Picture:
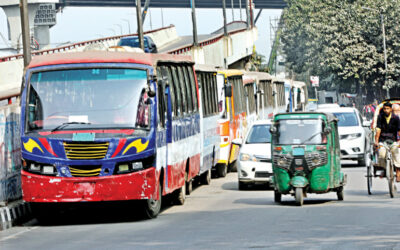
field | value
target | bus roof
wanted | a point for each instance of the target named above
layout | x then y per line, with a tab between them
230	72
106	57
205	68
259	76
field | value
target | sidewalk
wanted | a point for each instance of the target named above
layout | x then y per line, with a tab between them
15	212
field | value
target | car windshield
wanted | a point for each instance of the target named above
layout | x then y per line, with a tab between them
259	134
291	132
132	42
87	99
346	119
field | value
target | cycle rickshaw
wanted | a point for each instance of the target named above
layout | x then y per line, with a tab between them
373	168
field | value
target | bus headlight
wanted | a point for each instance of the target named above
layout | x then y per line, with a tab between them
34	167
127	167
49	170
137	165
124	167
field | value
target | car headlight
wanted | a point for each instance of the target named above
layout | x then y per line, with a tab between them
354	136
247	157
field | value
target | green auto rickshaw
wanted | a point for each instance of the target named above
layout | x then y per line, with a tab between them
306	155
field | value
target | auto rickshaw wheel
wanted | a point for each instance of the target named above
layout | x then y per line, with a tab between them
299	196
277	196
339	193
222	170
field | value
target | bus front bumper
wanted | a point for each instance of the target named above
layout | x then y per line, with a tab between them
133	186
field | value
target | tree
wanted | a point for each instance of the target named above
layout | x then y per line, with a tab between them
342	40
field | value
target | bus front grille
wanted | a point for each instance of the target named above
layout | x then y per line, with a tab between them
85	171
85	151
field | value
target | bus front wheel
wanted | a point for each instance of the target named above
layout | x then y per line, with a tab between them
152	207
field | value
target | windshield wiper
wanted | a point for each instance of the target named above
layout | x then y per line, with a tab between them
309	139
66	124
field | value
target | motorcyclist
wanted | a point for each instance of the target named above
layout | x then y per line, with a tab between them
387	128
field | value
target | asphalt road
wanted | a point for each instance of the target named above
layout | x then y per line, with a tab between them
220	216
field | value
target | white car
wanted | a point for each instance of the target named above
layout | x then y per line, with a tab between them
254	163
354	132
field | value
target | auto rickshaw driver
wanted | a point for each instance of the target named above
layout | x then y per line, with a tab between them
387	128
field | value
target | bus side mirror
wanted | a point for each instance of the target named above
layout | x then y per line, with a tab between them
228	90
272	130
151	92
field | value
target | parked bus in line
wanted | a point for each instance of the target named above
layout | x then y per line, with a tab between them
233	124
296	95
250	87
109	126
209	120
280	104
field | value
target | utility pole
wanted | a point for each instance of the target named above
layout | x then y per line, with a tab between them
385	56
129	25
23	6
233	11
240	8
224	13
139	23
248	14
195	38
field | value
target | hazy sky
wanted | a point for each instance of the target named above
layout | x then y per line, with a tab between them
79	24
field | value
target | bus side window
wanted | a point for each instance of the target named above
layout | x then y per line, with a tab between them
188	86
160	99
209	94
194	88
174	106
178	92
215	92
183	90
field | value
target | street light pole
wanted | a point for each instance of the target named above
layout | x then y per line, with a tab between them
384	48
129	25
385	55
120	27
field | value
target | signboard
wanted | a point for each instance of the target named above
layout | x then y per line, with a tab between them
46	15
314	81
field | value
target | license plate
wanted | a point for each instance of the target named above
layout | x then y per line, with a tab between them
298	151
299	161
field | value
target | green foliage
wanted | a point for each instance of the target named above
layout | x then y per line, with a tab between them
341	40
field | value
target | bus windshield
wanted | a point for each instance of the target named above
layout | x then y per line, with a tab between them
88	98
292	132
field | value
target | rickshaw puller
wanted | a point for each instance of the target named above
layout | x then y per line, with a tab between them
387	128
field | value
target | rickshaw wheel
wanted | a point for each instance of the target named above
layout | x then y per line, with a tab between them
339	193
369	179
277	196
392	187
299	195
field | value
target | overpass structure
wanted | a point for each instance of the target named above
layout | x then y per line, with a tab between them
259	4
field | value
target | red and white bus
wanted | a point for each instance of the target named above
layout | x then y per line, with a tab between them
109	126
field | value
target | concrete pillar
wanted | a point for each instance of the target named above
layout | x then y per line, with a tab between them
12	11
42	36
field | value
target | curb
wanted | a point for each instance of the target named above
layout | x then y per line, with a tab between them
14	213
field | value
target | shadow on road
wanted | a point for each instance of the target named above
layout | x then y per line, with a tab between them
233	185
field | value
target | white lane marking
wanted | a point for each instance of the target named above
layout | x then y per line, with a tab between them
16	234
